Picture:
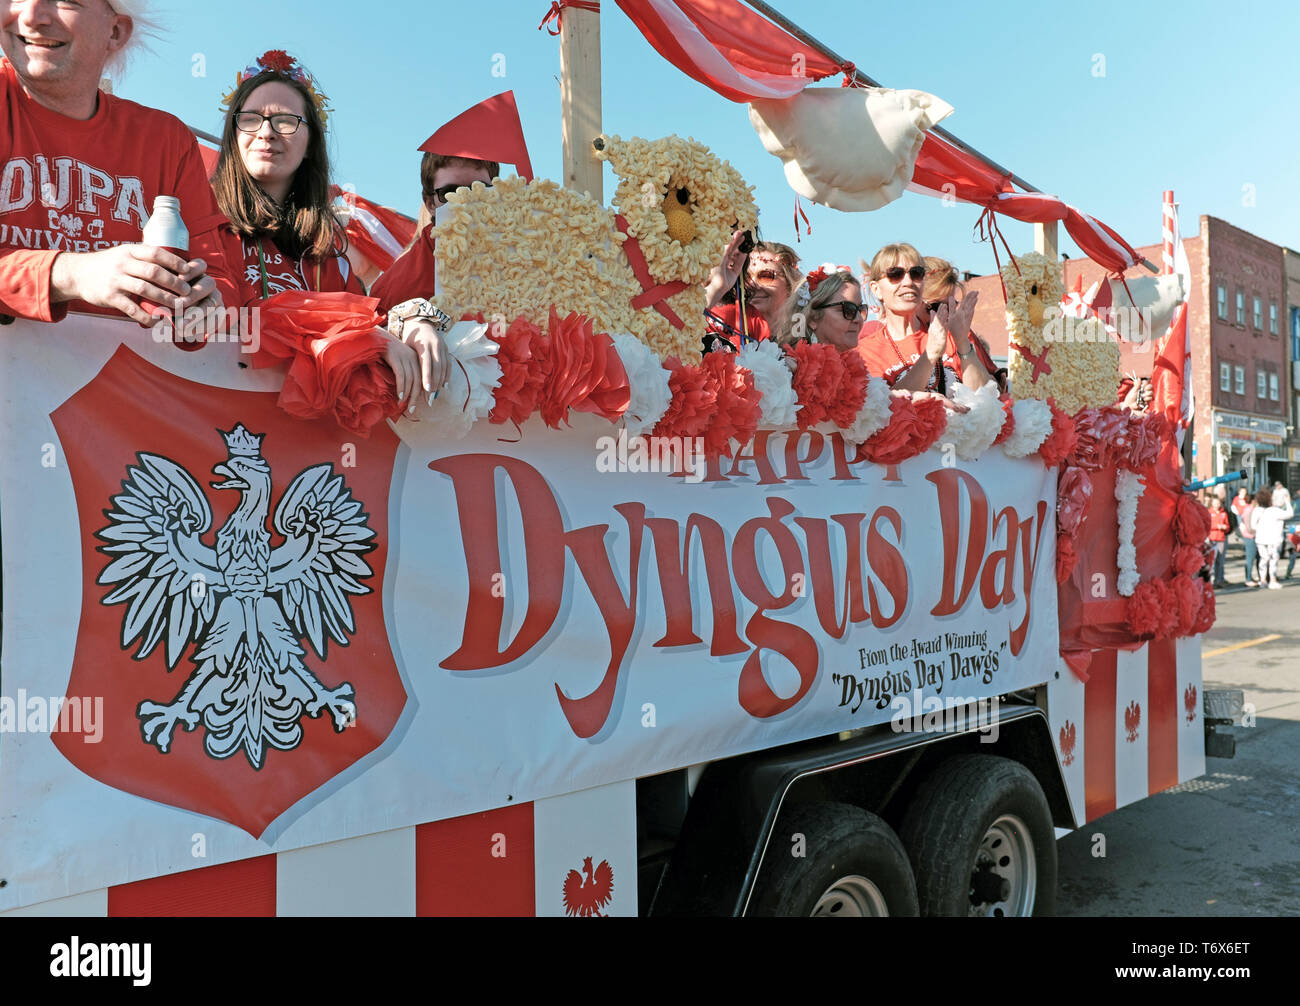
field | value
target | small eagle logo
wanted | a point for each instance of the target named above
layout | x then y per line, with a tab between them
1132	720
1067	736
1189	702
587	897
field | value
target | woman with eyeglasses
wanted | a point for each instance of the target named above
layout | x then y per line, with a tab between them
272	182
900	347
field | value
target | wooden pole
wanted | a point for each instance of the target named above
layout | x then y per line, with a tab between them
1045	241
580	100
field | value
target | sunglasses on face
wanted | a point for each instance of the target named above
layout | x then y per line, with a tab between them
933	306
284	123
767	275
443	191
896	274
850	309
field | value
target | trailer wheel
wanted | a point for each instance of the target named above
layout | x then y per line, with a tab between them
834	860
980	837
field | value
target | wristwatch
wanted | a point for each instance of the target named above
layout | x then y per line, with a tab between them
410	310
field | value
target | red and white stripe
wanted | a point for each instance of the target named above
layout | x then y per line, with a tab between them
1167	234
509	861
1171	374
1133	729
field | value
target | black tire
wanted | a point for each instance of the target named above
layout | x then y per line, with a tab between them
960	860
849	858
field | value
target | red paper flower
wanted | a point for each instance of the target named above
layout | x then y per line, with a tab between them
1102	437
817	377
693	399
1191	520
852	391
525	364
736	410
913	428
584	373
1187	596
1009	420
1073	497
1188	560
1060	443
1146	608
275	59
610	394
1205	616
1145	435
368	398
1066	557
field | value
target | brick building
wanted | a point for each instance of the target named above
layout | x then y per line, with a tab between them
1245	332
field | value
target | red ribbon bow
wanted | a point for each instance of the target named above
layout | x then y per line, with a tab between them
653	294
556	13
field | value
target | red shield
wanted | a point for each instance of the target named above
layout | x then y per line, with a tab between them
132	408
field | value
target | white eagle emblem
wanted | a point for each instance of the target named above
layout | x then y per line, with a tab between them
243	605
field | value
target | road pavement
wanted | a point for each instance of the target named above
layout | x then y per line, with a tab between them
1226	843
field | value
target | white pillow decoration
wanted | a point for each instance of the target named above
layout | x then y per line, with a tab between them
849	148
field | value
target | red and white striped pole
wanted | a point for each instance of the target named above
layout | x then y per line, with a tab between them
1167	234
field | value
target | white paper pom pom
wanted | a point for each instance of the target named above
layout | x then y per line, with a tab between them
874	415
1033	424
972	433
647	382
467	395
779	404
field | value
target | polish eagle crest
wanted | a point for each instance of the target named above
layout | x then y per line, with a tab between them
243	605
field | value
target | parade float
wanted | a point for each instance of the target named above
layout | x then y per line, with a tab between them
606	618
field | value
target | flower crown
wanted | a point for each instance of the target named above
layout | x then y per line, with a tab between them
280	62
809	286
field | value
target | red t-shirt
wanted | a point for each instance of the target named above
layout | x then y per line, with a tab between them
755	327
410	276
891	360
85	185
1219	525
283	272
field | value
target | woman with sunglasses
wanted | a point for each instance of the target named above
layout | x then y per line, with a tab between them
900	347
826	307
272	182
942	286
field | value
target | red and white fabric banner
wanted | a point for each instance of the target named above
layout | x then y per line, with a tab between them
728	47
376	231
1134	728
1171	374
572	855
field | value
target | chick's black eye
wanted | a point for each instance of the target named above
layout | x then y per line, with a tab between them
683	196
1034	289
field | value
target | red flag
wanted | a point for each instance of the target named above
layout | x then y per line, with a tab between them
377	232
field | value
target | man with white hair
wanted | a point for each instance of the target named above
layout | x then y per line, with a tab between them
80	169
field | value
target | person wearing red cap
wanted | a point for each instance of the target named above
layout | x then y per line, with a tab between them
468	149
70	224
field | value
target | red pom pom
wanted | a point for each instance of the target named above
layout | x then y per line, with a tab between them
693	399
1191	520
1066	557
1205	616
852	391
1186	594
1188	560
914	426
1145	435
584	373
1060	443
1102	437
1008	421
736	412
1146	609
816	380
525	364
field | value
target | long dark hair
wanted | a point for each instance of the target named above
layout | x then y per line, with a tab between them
305	225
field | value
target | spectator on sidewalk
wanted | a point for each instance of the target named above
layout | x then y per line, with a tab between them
1243	506
1266	521
1218	538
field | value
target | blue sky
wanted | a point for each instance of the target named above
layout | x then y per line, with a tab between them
1196	97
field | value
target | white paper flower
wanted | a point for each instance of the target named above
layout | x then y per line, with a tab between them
1033	424
772	379
647	382
972	433
1128	493
874	415
467	395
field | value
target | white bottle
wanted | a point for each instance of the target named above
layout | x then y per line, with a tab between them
166	229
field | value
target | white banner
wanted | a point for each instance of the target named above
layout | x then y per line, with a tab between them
364	635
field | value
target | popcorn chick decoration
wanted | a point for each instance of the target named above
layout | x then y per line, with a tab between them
519	248
1075	362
